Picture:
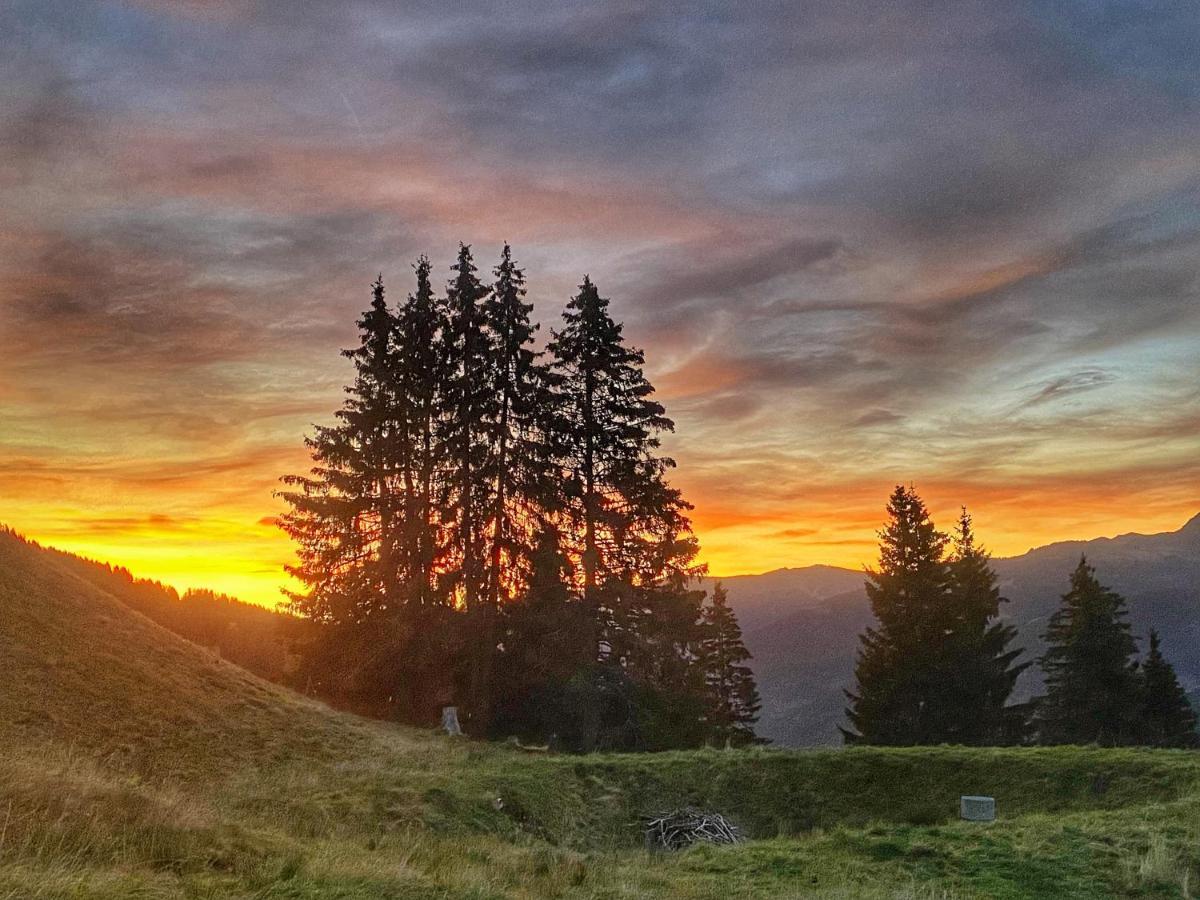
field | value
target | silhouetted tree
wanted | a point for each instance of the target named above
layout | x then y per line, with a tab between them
469	405
979	669
1092	686
630	531
343	515
937	668
523	471
631	526
733	701
349	517
897	699
1167	718
420	367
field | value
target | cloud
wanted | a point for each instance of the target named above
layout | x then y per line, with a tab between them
857	243
878	417
1068	385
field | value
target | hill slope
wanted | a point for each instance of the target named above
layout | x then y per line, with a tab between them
254	637
804	650
83	670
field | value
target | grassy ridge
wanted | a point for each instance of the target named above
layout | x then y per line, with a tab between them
774	793
133	764
423	823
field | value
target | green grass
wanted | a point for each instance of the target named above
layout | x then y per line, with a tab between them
134	765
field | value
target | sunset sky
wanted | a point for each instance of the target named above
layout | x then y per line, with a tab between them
953	244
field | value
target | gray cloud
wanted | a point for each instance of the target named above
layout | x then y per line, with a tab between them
817	218
1068	385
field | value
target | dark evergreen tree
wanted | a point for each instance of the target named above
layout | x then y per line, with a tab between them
1092	685
631	527
468	408
419	363
938	667
631	535
979	667
343	515
348	517
524	486
898	699
1167	718
732	694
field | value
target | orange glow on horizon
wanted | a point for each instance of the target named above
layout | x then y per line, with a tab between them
245	557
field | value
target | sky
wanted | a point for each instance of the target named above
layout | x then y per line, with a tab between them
956	245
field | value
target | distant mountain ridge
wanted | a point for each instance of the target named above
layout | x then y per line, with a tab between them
802	625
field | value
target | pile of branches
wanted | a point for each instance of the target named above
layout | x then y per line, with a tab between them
684	827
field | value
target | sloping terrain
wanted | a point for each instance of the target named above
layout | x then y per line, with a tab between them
254	637
804	652
83	670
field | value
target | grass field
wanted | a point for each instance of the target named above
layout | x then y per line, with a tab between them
134	764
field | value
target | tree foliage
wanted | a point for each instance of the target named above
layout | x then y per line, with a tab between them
492	526
733	694
1092	683
1166	716
936	668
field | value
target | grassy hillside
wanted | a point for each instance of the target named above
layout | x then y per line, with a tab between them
84	671
133	764
254	637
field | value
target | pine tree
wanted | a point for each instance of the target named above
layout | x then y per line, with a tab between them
1092	688
733	700
1167	718
937	668
343	514
348	518
978	665
522	464
632	542
468	407
419	326
632	526
898	697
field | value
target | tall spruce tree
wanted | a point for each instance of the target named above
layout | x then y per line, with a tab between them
1166	717
733	700
522	465
632	527
938	667
348	519
898	698
979	667
344	512
419	364
1092	685
468	407
632	540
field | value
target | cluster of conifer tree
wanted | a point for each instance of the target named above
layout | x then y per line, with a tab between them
490	525
939	668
